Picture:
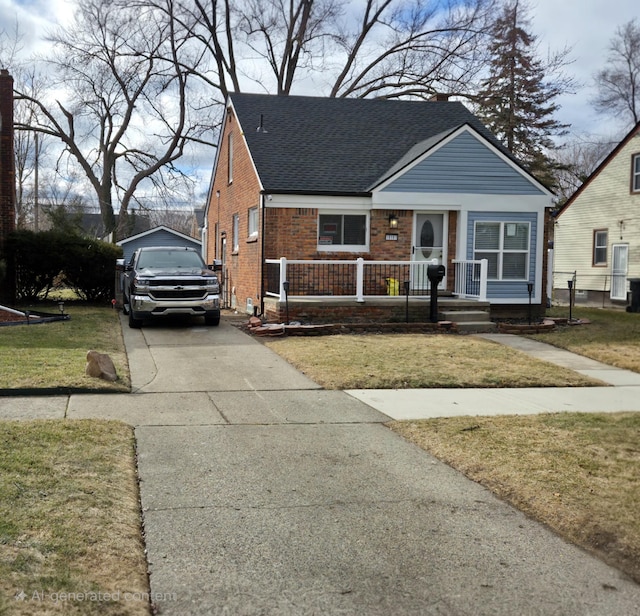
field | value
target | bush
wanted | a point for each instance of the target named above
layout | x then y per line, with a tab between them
87	265
90	268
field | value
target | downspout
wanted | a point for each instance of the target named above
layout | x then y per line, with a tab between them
262	264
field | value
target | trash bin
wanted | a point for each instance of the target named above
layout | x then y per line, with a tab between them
634	284
393	286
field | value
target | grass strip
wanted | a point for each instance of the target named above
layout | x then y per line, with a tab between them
70	530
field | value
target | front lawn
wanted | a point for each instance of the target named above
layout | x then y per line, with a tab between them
612	336
576	472
53	355
405	361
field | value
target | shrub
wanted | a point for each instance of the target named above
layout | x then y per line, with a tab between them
87	265
90	268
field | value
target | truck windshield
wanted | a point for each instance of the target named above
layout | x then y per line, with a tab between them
159	259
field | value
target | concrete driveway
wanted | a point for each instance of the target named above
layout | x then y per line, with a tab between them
263	494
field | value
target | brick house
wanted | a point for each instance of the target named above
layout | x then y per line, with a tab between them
597	231
7	180
336	207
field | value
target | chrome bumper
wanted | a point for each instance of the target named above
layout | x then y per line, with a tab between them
143	304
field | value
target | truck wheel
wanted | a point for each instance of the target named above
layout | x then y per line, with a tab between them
215	321
133	322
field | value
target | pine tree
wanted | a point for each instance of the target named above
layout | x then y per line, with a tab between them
516	100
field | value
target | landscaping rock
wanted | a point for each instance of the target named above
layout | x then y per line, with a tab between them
100	366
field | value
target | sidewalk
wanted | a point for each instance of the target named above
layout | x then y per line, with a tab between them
264	494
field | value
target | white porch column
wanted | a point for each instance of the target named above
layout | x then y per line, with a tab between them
359	279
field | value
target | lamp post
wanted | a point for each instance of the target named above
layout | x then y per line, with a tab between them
570	285
285	286
530	291
406	304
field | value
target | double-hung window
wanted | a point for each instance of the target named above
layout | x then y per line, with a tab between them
600	247
635	173
346	232
252	222
505	245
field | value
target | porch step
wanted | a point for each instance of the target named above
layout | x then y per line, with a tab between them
476	321
465	316
476	327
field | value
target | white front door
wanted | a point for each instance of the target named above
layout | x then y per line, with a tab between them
619	261
429	233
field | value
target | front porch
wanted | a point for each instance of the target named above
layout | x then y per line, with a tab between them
359	291
468	315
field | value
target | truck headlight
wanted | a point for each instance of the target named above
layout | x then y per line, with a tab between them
213	285
140	285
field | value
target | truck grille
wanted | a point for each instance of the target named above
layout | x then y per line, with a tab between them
192	293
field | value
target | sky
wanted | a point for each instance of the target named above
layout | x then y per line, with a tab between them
586	26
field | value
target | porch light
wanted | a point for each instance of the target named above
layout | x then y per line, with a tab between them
393	221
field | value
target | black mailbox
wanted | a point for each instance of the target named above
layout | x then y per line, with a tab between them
435	273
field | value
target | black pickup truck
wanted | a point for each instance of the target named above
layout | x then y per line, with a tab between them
160	281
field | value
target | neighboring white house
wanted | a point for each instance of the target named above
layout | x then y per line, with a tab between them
597	232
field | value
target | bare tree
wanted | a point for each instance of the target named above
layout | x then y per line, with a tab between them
383	48
122	110
619	83
576	160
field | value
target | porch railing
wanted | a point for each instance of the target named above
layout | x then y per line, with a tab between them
358	279
471	279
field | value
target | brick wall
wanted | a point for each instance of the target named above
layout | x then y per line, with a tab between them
7	176
242	266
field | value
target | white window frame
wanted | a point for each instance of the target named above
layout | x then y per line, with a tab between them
235	233
600	246
501	251
344	247
252	222
635	173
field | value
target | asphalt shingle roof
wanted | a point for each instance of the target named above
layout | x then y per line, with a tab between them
312	145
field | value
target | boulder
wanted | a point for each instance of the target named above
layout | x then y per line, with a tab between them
100	366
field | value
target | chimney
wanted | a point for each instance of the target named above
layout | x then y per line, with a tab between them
439	98
7	178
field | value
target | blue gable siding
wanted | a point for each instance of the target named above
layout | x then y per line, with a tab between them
510	289
464	165
161	237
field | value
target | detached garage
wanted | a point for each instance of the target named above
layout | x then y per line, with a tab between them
158	236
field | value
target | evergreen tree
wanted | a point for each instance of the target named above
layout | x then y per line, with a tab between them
516	100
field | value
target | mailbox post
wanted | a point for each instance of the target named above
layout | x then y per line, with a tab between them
435	273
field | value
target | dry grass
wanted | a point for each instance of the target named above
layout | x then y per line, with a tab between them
576	472
612	337
414	361
53	355
70	519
